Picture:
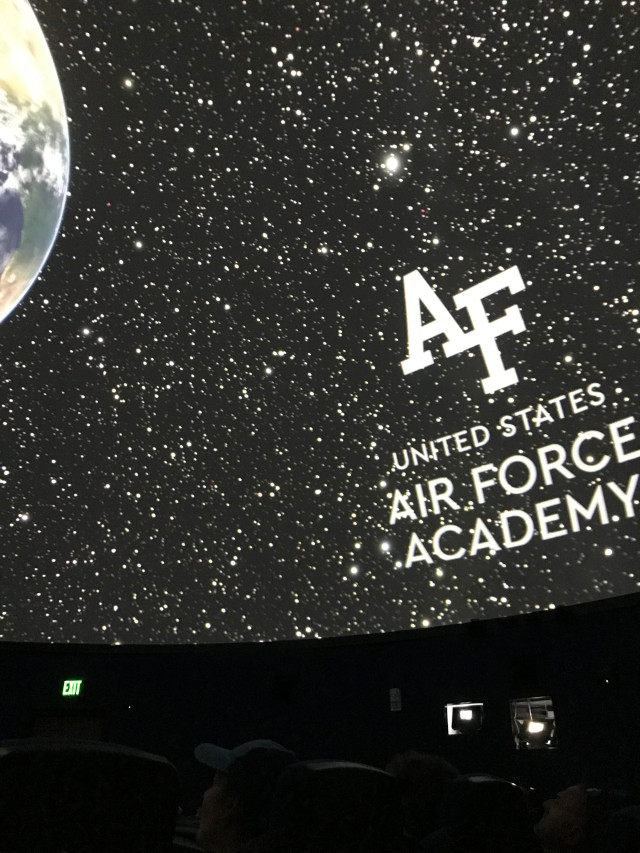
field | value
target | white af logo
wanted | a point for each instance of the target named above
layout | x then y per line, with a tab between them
418	292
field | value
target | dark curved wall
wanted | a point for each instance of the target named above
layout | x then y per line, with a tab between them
331	698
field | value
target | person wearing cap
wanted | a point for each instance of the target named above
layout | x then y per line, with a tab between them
235	807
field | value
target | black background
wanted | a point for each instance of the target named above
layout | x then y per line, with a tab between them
199	404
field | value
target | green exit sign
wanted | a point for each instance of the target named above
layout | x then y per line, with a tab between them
72	688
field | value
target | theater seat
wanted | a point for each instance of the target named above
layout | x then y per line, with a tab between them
335	805
84	797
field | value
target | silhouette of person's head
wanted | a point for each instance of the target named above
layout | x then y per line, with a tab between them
235	806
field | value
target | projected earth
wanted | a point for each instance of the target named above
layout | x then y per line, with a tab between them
34	152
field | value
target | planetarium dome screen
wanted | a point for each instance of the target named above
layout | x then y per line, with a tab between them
339	333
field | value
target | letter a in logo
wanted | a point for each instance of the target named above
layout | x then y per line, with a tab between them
417	292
